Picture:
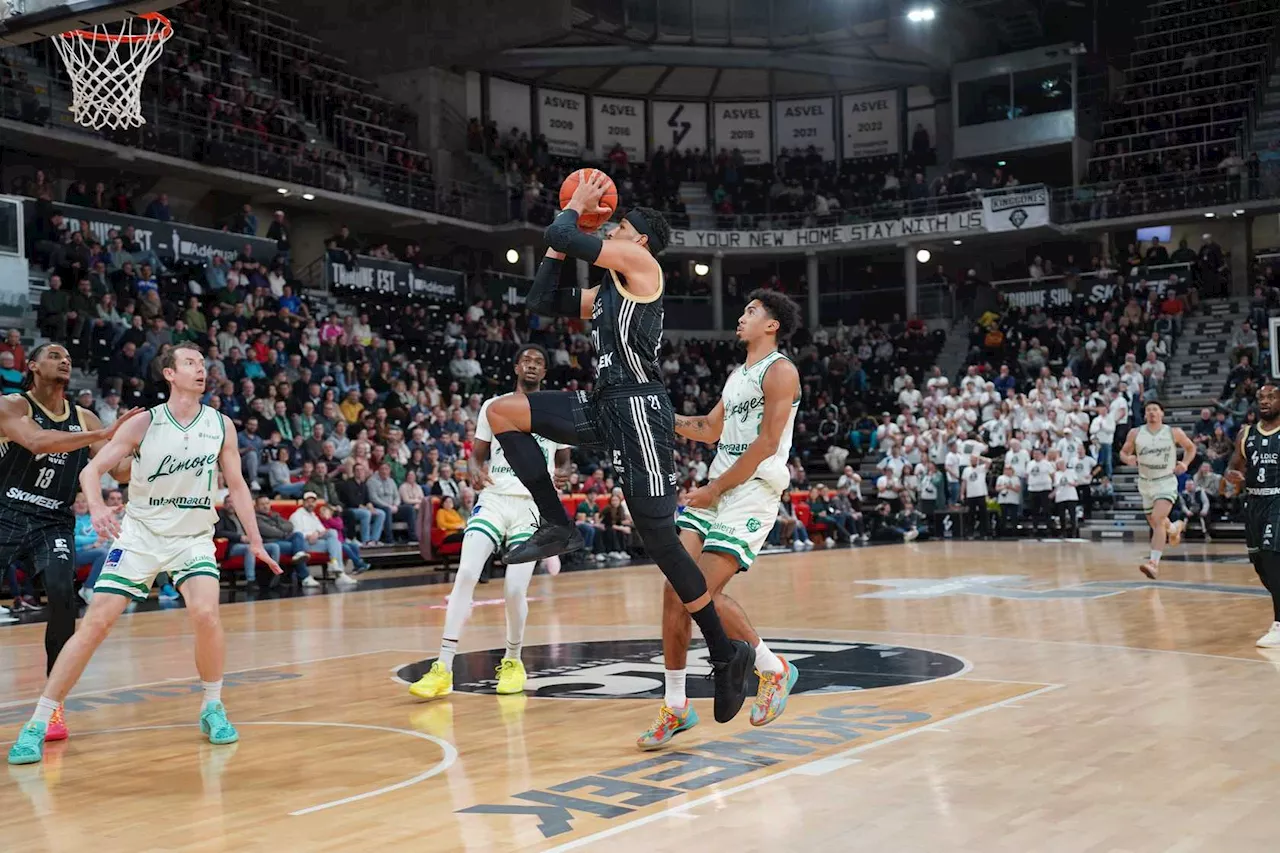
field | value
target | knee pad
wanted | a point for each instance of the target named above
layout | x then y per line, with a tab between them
662	542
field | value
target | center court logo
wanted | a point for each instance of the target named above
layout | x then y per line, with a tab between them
632	669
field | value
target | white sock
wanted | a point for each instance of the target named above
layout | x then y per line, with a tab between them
212	691
44	710
476	548
448	648
1155	555
675	698
516	591
766	660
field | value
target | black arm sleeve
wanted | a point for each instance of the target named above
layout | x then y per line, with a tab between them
545	298
563	235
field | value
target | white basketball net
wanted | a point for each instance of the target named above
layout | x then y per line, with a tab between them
106	65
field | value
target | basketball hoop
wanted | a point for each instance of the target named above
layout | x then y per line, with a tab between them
106	65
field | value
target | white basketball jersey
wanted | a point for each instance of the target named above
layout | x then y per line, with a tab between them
1157	452
175	474
743	412
505	481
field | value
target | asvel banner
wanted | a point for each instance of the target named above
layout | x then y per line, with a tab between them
837	235
562	119
1013	211
169	240
870	124
801	123
399	278
744	126
618	121
679	125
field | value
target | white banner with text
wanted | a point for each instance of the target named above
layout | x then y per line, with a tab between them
618	121
870	124
801	123
744	126
836	235
1016	210
562	119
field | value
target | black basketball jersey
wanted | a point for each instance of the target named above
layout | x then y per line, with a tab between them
41	486
1262	488
627	335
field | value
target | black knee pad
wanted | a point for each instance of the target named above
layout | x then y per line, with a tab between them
662	543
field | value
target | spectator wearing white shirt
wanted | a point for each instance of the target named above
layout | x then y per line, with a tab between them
936	381
973	490
1009	499
1065	498
1039	488
1102	430
1153	369
952	466
306	522
888	489
851	480
1083	465
909	397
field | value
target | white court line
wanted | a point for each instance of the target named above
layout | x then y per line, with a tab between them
447	761
799	770
11	703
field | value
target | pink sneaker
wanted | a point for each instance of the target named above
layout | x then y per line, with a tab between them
57	729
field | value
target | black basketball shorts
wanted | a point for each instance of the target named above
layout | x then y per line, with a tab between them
1261	524
44	547
635	426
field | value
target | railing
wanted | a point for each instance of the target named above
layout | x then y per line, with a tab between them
1155	71
1227	37
1270	12
1179	111
1164	193
1205	138
1172	15
1165	79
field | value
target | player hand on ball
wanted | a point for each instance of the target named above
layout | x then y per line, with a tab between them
703	497
260	554
586	197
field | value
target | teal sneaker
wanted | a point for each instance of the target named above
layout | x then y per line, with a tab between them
772	695
29	747
215	725
669	724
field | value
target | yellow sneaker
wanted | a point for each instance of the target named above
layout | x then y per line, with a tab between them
510	677
438	682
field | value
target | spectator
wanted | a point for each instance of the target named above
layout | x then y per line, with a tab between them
159	208
450	521
315	534
350	549
354	493
1195	506
90	547
228	527
10	377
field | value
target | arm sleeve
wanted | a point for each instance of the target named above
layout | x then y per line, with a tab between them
563	235
545	298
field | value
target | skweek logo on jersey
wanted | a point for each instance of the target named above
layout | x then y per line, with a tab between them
1018	587
633	669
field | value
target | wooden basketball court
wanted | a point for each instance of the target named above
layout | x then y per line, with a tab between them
958	696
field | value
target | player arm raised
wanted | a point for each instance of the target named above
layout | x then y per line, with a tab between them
238	494
18	426
781	389
1127	456
122	445
121	472
705	428
1188	451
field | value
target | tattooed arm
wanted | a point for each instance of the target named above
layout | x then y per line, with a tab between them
705	428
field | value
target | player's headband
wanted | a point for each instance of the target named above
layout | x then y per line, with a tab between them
641	223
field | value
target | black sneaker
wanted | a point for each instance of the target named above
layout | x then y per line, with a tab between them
731	680
551	539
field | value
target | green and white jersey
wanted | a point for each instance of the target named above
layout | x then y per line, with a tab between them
175	473
505	481
743	412
1157	452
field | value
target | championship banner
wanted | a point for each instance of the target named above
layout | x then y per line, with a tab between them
838	235
509	106
870	124
1013	211
744	126
618	121
679	125
402	279
801	123
169	240
562	119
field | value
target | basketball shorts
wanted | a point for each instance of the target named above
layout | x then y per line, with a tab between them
1161	489
634	425
1261	524
138	555
738	525
503	518
44	547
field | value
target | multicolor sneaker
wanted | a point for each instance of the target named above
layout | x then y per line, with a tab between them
669	724
510	677
29	747
215	725
772	694
57	726
436	683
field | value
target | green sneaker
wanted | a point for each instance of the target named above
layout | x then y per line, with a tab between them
215	725
29	747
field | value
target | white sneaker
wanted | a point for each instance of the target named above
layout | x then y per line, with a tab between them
344	579
797	545
808	545
828	542
310	583
600	558
911	535
86	595
1271	639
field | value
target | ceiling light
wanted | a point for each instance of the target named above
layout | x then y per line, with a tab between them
1001	162
282	191
309	196
1238	212
923	256
512	256
1210	215
921	15
956	242
701	269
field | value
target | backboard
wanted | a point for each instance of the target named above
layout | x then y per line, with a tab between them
23	21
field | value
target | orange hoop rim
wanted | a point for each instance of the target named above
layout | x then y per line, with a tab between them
165	31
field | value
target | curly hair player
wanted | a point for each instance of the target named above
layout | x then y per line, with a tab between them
628	413
727	521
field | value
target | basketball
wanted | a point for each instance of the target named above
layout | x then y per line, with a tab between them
589	221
